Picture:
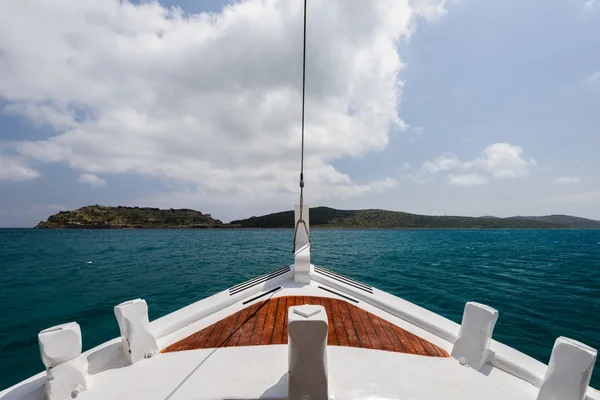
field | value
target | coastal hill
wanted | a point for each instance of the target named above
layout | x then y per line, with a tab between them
326	217
103	217
567	220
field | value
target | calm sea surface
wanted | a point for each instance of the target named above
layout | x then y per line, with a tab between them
544	283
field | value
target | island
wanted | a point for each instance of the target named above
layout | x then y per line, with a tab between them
105	217
325	217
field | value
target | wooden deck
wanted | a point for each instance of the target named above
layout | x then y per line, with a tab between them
265	323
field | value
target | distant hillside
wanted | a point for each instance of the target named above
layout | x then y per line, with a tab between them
102	217
331	218
568	220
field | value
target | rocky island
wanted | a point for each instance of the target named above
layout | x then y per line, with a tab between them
103	217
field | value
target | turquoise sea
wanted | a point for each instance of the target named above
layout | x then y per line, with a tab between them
545	283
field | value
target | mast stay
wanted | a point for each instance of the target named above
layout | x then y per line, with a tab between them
301	219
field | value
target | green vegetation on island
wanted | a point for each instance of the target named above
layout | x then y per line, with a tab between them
103	217
326	217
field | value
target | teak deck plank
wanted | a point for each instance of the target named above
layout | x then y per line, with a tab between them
361	332
267	336
401	335
214	336
261	316
237	330
228	330
370	331
279	321
389	330
265	323
348	325
331	334
289	303
337	324
248	327
378	325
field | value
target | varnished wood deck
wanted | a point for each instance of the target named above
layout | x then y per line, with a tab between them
265	323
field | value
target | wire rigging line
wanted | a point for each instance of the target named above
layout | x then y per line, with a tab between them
301	219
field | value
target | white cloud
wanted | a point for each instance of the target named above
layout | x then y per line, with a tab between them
567	179
210	100
467	180
504	160
500	160
445	162
595	77
430	9
16	169
92	180
343	191
590	4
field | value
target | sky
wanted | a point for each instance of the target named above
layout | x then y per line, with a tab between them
446	107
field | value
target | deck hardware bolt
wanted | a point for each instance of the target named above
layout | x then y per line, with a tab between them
76	392
150	353
463	361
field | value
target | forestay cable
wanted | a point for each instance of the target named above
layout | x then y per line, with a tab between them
301	219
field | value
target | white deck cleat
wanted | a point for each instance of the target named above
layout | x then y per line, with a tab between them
472	347
136	339
307	354
60	349
60	343
569	371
